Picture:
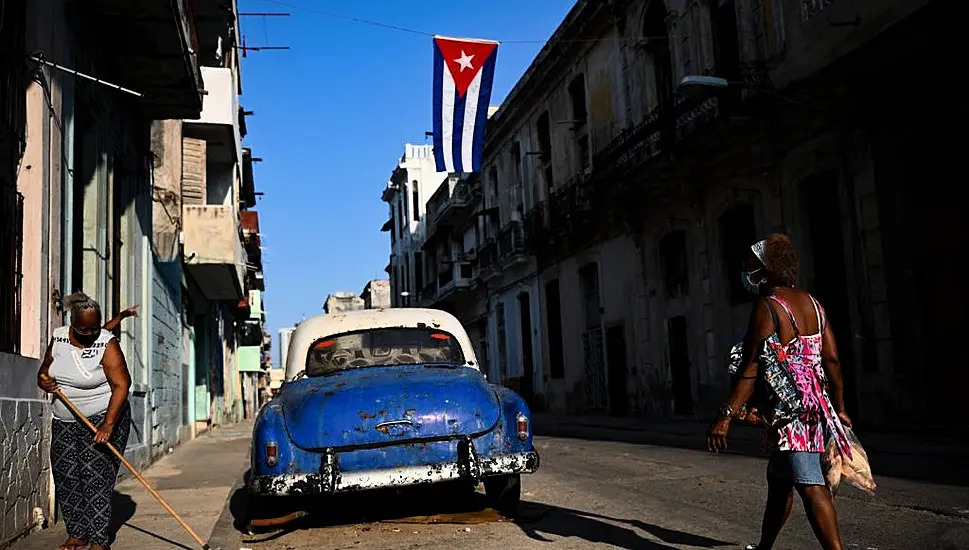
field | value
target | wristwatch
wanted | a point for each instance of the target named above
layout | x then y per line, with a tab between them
726	411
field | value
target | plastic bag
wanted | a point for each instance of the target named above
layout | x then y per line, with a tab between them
855	470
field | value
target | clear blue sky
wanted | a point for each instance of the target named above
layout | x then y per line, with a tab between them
332	115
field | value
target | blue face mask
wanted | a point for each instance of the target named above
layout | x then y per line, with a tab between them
749	283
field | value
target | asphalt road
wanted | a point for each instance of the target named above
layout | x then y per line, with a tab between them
596	494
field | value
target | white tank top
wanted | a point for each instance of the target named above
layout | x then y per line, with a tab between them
79	375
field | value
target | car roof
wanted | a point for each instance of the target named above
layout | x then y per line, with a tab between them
322	326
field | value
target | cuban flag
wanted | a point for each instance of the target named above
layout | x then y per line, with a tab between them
464	70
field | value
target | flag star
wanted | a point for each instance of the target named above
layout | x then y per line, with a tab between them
465	61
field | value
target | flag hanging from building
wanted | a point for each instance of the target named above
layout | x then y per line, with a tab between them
464	70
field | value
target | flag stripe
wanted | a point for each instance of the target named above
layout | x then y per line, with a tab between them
470	118
447	127
458	133
487	77
438	108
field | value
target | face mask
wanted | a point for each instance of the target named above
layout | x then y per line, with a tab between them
749	283
85	339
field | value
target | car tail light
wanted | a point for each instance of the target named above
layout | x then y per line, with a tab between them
272	454
521	422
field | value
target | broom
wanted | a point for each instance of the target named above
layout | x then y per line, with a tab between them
161	500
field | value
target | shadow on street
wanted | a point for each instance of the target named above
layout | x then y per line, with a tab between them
437	505
943	469
123	510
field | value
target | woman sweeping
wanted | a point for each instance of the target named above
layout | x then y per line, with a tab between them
801	342
85	362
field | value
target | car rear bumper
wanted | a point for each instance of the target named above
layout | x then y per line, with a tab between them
331	480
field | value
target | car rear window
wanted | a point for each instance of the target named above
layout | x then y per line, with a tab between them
382	347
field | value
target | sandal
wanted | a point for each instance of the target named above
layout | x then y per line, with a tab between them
72	543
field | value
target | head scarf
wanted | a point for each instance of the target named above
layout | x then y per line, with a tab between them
758	249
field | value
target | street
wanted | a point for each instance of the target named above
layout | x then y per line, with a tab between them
594	494
587	494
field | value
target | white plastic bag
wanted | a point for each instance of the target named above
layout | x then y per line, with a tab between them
855	470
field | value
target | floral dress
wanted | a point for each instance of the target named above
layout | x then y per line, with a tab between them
810	430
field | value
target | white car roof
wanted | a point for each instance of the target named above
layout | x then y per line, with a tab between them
322	326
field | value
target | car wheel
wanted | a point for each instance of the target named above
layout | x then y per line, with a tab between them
504	493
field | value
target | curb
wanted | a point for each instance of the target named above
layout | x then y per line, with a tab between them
224	535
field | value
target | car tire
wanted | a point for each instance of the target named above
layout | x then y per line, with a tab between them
504	493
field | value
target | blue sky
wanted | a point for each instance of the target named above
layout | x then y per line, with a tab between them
332	115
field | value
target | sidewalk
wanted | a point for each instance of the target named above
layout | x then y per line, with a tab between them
924	457
195	479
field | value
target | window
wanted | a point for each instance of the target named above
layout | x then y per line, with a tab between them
577	96
545	148
250	334
553	318
493	186
401	220
589	277
738	232
502	341
11	237
383	347
583	149
675	272
415	200
418	271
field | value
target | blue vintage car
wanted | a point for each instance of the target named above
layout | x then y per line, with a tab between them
389	398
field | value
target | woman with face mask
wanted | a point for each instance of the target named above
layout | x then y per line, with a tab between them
85	362
805	341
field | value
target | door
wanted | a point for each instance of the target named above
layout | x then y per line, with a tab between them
618	369
830	285
528	357
679	351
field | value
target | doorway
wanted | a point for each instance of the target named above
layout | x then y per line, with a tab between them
679	350
830	283
528	356
616	355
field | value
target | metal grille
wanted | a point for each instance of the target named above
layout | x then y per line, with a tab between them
11	240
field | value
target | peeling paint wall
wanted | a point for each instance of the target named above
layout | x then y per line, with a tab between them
25	481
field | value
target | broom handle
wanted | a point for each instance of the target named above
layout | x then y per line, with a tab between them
161	500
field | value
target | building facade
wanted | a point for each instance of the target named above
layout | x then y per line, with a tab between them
640	193
91	199
376	294
412	183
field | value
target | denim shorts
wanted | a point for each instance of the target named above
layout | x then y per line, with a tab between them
799	467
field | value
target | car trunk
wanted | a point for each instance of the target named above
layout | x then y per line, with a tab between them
380	405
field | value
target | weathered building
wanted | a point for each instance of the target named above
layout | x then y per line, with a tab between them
338	302
640	191
91	199
412	183
376	294
76	205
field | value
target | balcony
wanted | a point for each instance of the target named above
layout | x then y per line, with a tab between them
455	276
488	265
511	245
456	208
214	255
249	221
218	123
154	51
